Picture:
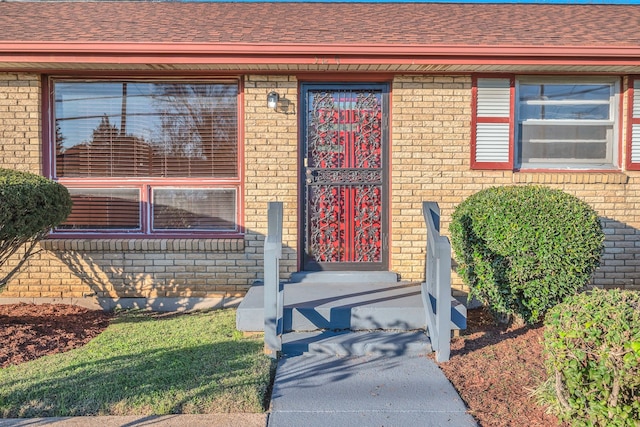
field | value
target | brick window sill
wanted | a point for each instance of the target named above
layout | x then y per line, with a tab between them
570	178
144	245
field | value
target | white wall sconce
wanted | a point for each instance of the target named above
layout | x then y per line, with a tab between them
272	100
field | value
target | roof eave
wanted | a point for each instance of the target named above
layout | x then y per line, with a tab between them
239	53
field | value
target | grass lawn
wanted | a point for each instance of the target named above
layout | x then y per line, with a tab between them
145	364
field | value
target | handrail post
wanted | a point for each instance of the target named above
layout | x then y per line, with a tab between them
436	291
273	309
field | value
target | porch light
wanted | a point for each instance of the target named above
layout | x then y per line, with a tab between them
272	100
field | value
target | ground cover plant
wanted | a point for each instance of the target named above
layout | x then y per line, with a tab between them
141	364
592	347
523	249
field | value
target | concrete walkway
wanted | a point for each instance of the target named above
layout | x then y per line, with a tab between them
325	390
322	390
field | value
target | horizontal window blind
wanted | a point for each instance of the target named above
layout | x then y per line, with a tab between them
142	156
100	208
145	129
194	209
566	122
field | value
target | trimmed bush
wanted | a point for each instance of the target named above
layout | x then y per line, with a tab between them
523	249
30	206
592	348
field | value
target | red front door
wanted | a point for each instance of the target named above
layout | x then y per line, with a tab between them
345	163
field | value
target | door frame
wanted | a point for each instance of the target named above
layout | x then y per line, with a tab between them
385	88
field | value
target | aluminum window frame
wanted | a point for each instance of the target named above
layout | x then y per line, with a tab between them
610	162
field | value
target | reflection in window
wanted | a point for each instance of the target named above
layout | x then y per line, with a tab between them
119	145
104	208
562	123
146	129
199	209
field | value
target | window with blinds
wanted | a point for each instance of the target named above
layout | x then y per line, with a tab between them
566	123
200	209
534	122
147	156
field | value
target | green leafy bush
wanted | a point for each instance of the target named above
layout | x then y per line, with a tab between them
30	206
592	348
523	249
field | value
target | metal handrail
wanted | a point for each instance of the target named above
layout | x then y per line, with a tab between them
273	299
436	290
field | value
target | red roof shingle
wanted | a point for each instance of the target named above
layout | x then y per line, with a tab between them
323	23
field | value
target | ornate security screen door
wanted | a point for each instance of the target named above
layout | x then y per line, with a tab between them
345	189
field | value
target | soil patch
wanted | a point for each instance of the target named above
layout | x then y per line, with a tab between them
29	331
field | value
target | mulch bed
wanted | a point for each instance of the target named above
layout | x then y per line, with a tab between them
495	368
29	331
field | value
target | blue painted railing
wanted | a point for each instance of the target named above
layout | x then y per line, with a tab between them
436	290
273	299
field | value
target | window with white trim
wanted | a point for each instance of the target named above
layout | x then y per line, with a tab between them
546	123
147	157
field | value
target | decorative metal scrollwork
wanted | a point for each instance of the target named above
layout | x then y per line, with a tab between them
368	144
344	177
324	146
326	228
367	219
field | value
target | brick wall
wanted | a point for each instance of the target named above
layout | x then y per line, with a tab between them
20	127
271	162
430	134
133	269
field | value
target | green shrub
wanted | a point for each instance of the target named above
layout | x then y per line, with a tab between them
30	206
523	249
592	348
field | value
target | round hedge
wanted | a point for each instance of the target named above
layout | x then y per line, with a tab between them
30	205
523	249
592	350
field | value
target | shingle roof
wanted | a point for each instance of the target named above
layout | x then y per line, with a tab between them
151	36
323	23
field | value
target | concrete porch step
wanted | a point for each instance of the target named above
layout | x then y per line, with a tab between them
364	343
310	306
344	277
305	318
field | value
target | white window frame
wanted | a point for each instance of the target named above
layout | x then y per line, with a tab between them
611	160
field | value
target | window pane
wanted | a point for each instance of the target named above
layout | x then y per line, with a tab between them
575	143
146	129
194	209
98	208
564	112
566	124
565	92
